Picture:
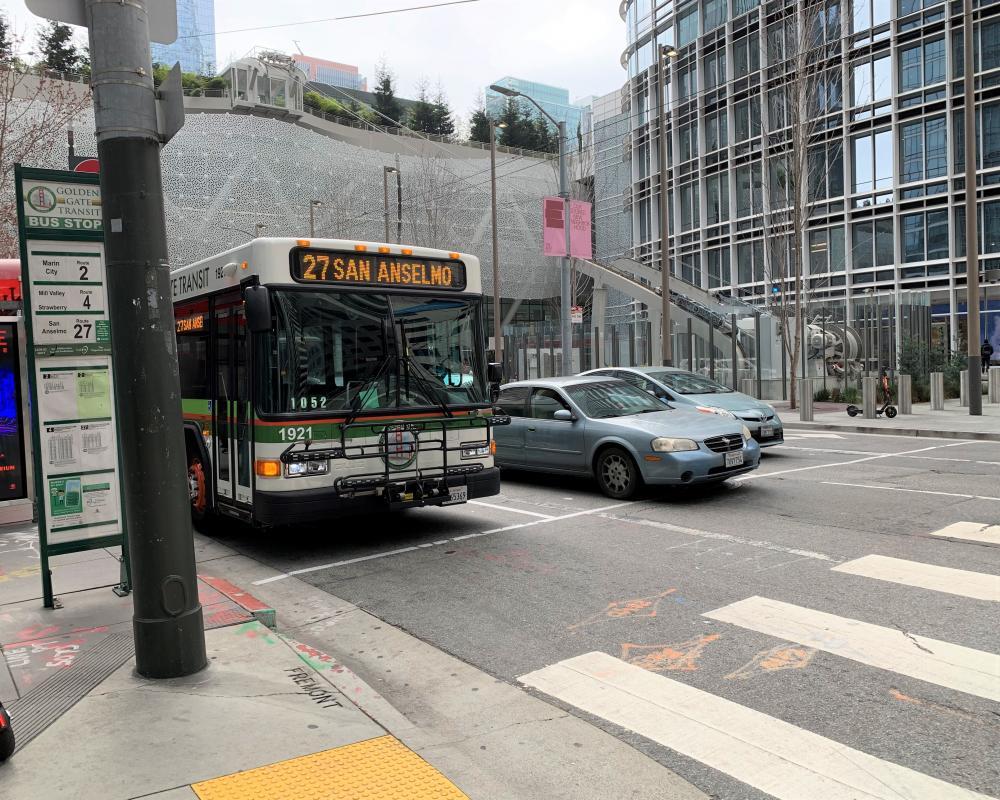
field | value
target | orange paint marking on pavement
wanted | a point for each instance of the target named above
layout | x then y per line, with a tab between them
952	711
636	607
680	657
774	660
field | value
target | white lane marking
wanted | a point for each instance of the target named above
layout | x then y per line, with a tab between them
509	508
756	475
722	537
977	585
911	491
399	551
801	435
868	453
971	531
773	756
953	666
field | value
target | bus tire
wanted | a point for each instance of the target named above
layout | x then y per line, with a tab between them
198	492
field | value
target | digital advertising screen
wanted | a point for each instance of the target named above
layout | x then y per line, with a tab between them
12	471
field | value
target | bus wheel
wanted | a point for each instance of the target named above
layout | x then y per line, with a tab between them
197	490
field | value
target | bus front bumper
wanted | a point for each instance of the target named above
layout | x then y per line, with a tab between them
314	505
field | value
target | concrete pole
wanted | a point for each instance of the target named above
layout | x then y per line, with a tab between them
167	617
971	220
868	390
905	390
937	391
564	289
666	342
994	376
385	199
964	395
806	400
497	321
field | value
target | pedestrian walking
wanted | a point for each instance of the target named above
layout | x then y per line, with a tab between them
986	351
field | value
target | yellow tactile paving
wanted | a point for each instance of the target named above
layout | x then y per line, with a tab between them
378	769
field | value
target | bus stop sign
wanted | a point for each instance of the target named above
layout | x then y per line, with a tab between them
162	15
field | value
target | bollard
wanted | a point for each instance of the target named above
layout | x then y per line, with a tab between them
748	386
994	384
937	391
868	389
905	390
806	400
963	392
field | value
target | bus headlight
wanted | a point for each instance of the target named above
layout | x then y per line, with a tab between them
299	468
318	467
476	451
296	469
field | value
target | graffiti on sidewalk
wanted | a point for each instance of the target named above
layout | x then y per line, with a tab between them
776	659
323	696
39	651
680	657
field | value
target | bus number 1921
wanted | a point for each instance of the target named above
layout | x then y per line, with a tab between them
295	434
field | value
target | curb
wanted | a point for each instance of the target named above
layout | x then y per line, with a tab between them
915	432
261	612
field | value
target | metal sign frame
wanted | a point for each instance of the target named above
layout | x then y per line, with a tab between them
162	15
22	174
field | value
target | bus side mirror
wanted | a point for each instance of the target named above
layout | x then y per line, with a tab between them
257	302
494	372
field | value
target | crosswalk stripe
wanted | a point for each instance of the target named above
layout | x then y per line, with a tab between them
764	752
976	585
945	664
971	531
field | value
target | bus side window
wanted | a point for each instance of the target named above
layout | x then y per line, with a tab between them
191	322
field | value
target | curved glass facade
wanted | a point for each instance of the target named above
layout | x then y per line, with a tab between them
880	124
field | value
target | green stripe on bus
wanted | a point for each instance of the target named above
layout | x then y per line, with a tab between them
286	434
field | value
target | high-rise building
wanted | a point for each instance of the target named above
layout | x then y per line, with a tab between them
885	167
553	99
195	45
331	73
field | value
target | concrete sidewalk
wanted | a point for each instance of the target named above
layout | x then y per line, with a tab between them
953	422
276	715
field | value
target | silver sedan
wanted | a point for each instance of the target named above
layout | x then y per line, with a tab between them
619	434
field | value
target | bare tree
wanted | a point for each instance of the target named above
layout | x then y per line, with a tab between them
797	158
34	110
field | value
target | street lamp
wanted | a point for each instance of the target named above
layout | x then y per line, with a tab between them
564	290
666	341
313	205
971	222
386	172
497	340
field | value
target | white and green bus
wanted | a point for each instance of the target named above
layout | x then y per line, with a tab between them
325	376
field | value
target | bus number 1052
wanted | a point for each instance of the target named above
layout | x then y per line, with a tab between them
307	403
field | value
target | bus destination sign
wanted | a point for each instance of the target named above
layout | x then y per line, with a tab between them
377	269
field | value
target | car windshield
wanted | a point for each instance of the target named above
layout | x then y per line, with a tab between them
612	399
688	383
334	351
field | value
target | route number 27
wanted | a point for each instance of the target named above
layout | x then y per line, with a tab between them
81	330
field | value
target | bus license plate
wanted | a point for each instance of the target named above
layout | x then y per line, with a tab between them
459	494
734	459
766	431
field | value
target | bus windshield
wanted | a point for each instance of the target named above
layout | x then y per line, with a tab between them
338	351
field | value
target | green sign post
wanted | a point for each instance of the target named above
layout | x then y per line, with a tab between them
70	373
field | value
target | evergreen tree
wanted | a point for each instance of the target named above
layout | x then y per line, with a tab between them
6	45
444	123
386	103
479	126
421	116
546	137
518	130
56	47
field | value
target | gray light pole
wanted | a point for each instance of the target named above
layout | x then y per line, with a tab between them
313	205
971	226
497	333
167	617
566	325
386	172
666	341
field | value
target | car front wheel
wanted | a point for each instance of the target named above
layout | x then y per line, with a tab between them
617	474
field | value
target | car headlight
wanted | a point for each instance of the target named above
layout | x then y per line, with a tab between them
477	451
722	412
667	445
747	436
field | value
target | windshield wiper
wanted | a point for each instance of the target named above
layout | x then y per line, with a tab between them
366	387
405	361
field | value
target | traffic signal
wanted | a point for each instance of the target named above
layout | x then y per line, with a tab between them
775	289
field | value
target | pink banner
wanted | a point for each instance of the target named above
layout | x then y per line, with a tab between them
553	232
580	242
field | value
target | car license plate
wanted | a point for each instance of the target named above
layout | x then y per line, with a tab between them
766	431
460	494
734	459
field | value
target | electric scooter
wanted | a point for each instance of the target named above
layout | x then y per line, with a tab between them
6	735
887	407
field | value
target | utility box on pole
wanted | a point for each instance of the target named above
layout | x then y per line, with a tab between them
167	615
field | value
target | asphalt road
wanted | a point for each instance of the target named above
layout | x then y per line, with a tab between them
741	620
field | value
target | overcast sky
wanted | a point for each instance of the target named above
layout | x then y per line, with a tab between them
572	43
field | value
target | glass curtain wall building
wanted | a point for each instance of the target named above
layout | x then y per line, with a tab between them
553	99
884	137
195	45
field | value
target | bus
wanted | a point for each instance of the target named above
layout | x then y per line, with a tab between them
323	376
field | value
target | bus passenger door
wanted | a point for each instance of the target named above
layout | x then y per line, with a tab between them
222	402
241	412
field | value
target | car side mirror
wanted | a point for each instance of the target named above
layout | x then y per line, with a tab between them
564	415
257	302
